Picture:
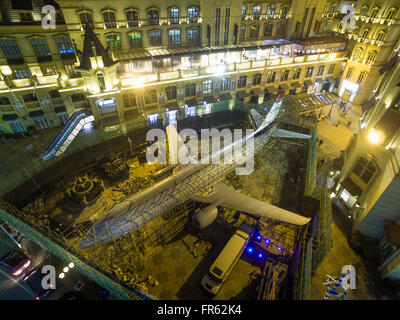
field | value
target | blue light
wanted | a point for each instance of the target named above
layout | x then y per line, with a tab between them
250	250
279	248
258	237
260	255
267	241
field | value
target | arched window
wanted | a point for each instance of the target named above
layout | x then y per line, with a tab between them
280	28
268	29
153	16
270	12
285	75
380	36
254	31
100	78
364	35
257	79
283	12
365	169
114	40
193	14
271	76
361	77
170	92
132	17
371	57
349	72
135	39
374	13
256	12
363	12
155	37
358	53
391	14
86	18
174	37
173	15
109	18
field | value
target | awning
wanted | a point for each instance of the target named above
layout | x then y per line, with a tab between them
389	124
60	109
272	89
191	102
241	94
36	113
225	96
392	233
256	91
351	187
390	64
284	86
296	85
209	99
368	104
308	82
9	117
172	105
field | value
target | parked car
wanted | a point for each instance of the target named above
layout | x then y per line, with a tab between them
33	282
15	262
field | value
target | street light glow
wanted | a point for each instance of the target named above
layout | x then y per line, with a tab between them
375	136
61	275
66	269
71	265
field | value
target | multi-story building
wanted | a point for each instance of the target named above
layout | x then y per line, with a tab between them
127	60
371	43
369	183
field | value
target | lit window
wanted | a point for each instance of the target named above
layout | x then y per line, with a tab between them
193	14
10	48
109	19
153	16
270	12
309	72
64	45
26	16
173	15
244	13
226	84
132	17
170	92
174	36
135	39
254	30
207	86
40	47
242	82
190	90
22	73
48	71
155	38
256	12
320	71
193	36
114	41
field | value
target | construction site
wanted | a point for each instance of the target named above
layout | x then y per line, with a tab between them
167	256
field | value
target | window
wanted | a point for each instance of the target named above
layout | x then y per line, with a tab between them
207	87
285	75
170	92
4	101
193	36
173	15
320	71
54	94
86	18
283	12
155	38
226	31
77	97
280	28
364	35
270	12
359	53
361	77
331	69
26	16
114	41
100	79
363	12
48	71
371	57
242	82
365	169
244	13
150	96
254	30
225	84
109	19
296	73
309	72
10	48
242	32
29	97
193	14
40	47
174	36
190	90
217	25
349	72
153	16
391	13
257	79
70	70
268	29
374	12
271	76
135	39
64	45
132	17
256	12
22	73
129	99
381	36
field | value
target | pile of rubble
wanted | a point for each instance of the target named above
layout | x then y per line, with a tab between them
115	167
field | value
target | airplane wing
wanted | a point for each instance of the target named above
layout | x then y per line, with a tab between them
258	118
232	199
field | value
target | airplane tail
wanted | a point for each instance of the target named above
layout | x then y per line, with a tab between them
273	112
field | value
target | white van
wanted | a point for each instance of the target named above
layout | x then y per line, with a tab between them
226	260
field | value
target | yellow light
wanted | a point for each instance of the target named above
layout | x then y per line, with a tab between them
64	77
375	136
6	70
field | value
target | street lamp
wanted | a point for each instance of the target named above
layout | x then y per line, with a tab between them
375	136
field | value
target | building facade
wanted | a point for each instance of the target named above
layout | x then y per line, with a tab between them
151	60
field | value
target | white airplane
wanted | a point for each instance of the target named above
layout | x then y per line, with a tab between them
188	183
